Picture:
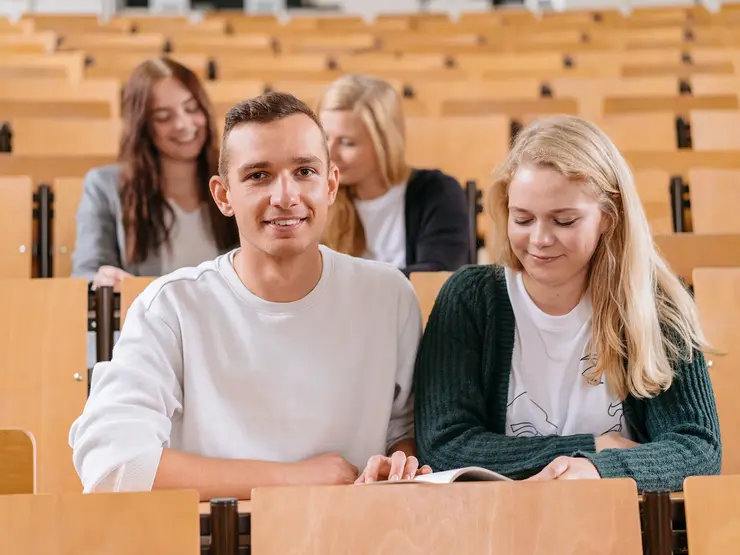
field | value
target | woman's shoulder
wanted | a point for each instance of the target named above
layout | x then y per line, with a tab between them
476	284
103	182
432	180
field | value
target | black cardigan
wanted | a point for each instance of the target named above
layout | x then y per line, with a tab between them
437	226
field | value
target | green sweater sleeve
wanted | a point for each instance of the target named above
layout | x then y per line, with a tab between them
683	435
460	393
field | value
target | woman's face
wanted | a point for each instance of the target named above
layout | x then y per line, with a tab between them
350	146
554	225
178	123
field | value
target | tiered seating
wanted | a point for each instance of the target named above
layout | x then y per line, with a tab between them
663	84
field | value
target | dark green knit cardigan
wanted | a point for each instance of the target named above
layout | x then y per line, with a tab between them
462	383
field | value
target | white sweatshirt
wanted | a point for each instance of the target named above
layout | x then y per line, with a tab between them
206	367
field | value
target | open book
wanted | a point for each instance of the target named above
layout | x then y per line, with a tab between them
467	474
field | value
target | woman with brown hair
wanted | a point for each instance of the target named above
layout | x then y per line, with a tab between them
152	212
415	219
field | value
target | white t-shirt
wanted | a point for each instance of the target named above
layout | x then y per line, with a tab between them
384	221
206	367
548	393
191	241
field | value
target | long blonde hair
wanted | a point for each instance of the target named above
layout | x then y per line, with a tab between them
381	110
643	317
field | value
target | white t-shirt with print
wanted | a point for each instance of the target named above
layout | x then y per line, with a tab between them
548	392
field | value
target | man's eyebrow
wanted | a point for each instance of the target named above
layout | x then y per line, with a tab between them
307	160
254	166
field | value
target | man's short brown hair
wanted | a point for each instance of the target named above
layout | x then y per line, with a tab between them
271	106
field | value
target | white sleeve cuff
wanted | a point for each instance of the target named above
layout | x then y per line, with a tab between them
135	475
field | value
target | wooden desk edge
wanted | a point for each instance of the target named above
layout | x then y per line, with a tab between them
245	507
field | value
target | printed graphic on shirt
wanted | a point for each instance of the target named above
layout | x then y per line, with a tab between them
616	410
539	425
591	408
590	364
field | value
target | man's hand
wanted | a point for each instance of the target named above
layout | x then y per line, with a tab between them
327	469
398	466
567	468
613	440
109	276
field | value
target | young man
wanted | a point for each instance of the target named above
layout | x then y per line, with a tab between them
282	362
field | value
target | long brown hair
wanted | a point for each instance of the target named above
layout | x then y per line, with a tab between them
142	201
381	110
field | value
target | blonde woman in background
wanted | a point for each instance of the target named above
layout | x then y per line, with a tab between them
579	353
414	219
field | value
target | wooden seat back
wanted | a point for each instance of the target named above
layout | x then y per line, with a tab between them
651	132
653	187
17	462
46	168
715	200
712	505
717	294
131	288
715	130
16	213
67	194
62	65
162	522
427	286
66	137
43	385
685	252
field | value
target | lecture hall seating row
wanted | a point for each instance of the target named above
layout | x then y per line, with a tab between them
676	155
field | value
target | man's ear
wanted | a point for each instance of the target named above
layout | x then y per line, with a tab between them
220	194
333	183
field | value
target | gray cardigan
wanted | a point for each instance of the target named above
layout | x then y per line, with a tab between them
101	238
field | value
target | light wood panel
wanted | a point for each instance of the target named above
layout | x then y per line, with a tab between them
685	252
657	131
465	147
590	516
16	213
681	162
131	288
715	200
43	338
47	90
44	168
163	522
653	187
67	65
67	194
427	286
717	294
17	462
680	105
67	137
510	108
715	130
712	505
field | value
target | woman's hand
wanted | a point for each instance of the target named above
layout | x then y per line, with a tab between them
567	468
109	276
396	467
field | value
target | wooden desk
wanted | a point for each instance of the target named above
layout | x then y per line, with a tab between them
663	517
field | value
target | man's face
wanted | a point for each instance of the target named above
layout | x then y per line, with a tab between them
280	184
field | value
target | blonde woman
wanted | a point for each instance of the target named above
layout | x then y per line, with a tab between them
578	354
414	219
